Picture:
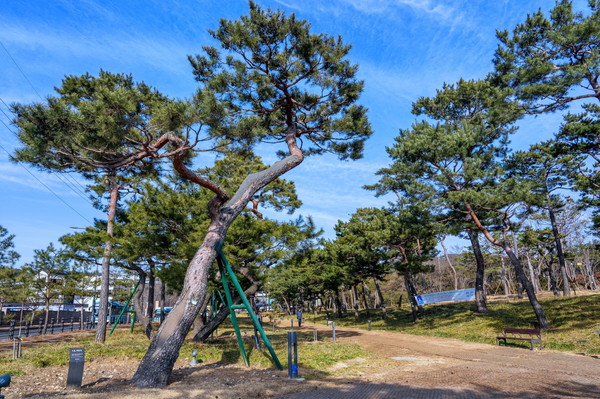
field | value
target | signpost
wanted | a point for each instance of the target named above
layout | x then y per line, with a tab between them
75	374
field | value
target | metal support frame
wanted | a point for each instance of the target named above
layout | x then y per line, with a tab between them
227	275
125	308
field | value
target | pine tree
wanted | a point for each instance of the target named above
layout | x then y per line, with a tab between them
458	163
552	60
103	128
279	83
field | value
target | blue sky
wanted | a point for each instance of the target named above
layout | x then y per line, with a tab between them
405	49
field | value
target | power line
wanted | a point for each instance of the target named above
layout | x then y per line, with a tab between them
70	185
20	70
48	188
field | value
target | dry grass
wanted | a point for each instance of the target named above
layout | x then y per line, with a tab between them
574	321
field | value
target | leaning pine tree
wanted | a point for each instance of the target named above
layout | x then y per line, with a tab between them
280	84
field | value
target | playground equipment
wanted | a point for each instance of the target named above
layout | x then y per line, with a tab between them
228	275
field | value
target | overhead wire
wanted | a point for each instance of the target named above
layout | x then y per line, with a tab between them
73	186
60	177
20	70
48	188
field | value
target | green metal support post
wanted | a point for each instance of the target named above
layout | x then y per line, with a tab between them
223	264
232	315
125	306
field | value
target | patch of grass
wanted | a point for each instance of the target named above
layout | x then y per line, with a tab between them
316	356
573	320
313	355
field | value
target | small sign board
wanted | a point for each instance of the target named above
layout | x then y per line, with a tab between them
76	360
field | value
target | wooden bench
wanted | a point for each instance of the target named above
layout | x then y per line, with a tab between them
532	335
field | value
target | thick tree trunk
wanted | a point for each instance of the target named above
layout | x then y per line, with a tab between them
480	297
355	303
520	286
367	299
532	275
562	264
150	303
552	280
156	366
380	297
113	187
504	278
537	308
338	303
344	300
162	301
412	293
138	303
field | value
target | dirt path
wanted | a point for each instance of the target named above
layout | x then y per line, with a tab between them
428	367
404	366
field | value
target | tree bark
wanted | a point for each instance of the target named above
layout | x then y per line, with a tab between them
113	188
355	303
381	300
162	301
150	302
551	279
503	277
537	308
532	275
338	303
156	366
367	299
138	303
480	297
412	293
562	264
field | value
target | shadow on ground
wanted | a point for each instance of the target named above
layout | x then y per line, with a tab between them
391	391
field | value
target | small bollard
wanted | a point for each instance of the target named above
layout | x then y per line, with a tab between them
315	335
369	322
292	354
333	331
194	360
16	348
256	342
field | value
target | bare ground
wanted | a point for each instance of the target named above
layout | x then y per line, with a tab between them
403	366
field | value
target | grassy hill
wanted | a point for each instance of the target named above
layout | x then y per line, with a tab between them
574	321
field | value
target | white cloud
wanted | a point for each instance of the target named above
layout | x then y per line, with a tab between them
437	10
126	47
